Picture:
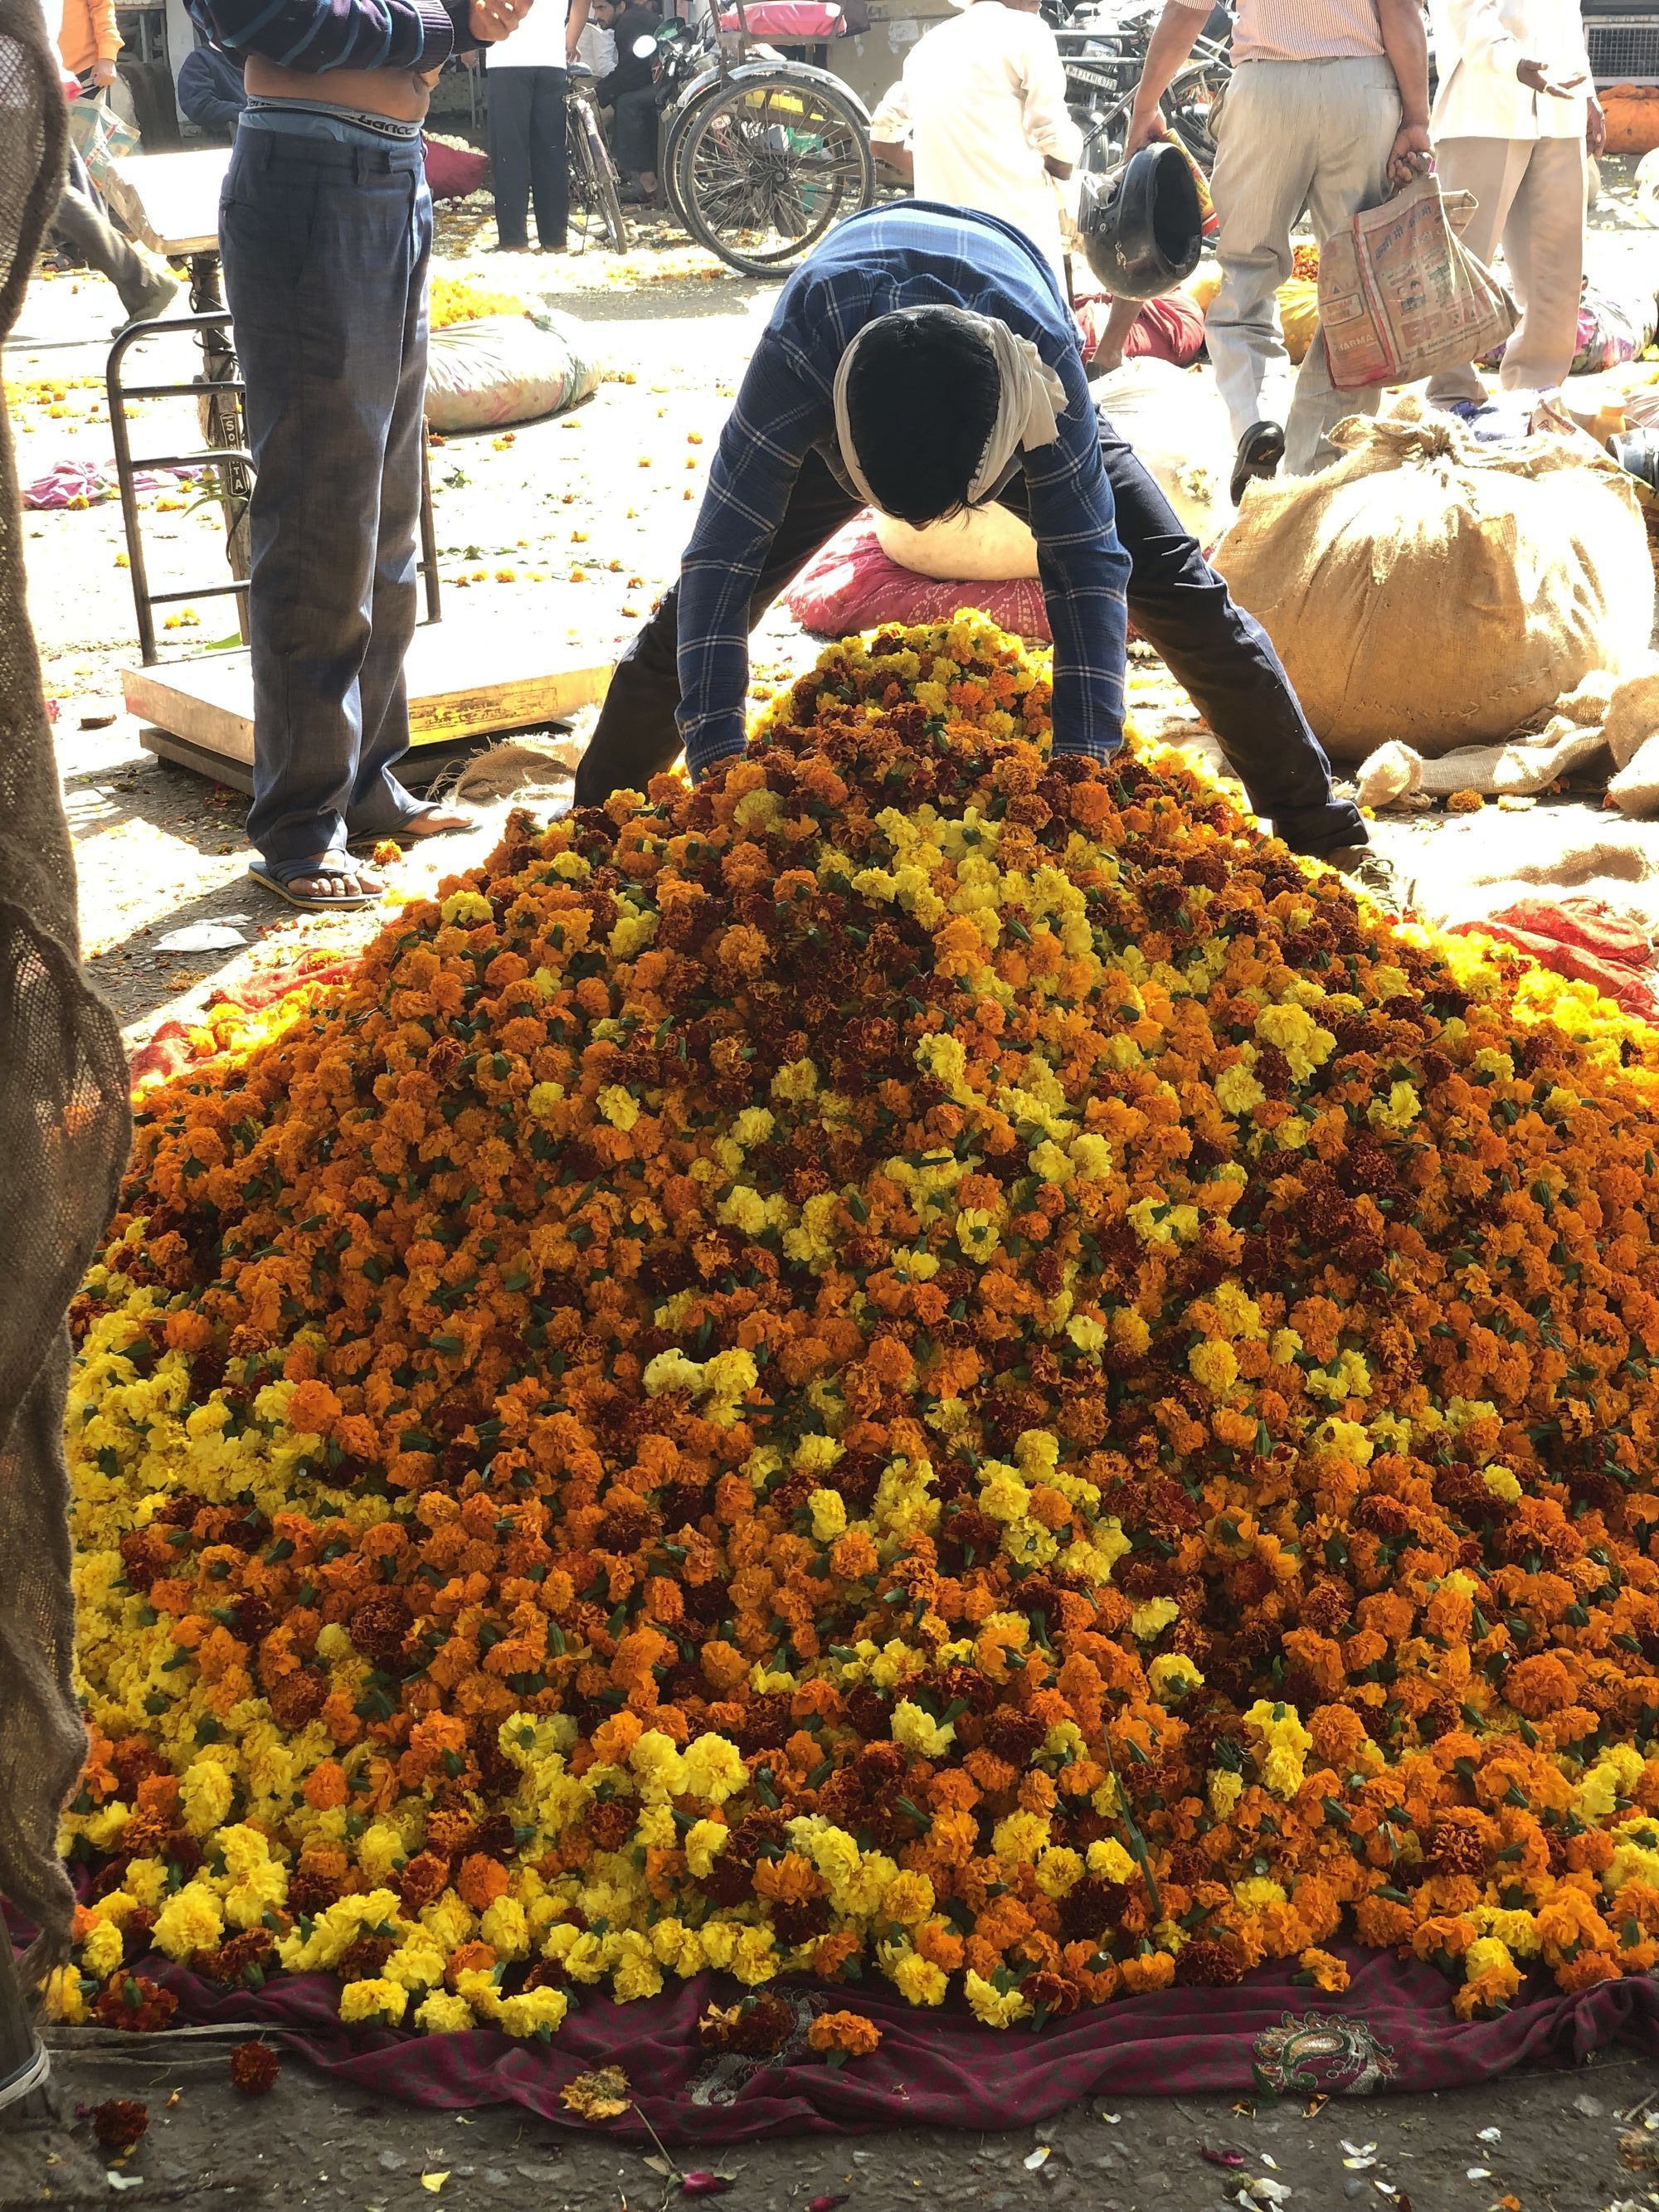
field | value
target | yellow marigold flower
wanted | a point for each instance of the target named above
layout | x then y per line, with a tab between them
1152	1617
714	1768
1215	1365
828	1512
919	1732
103	1950
63	1997
909	1899
1398	1111
1020	1836
1173	1674
619	1106
191	1920
1058	1870
206	1792
978	1232
544	1098
918	1980
375	1999
1108	1862
464	909
1237	1090
671	1370
993	2008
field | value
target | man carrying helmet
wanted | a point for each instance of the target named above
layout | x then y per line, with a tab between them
923	361
1328	109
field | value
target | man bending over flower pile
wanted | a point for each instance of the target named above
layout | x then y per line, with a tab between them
923	362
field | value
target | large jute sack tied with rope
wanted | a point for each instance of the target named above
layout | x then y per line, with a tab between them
1430	588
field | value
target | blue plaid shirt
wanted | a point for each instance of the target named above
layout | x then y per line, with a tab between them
912	255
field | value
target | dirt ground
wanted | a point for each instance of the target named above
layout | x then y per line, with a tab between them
571	528
1545	2142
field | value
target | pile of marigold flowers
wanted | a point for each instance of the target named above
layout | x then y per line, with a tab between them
919	1362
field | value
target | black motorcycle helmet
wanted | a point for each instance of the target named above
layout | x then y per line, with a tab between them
1142	226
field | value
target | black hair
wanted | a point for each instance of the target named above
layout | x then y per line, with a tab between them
921	401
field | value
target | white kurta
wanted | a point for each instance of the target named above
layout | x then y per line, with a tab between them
1477	45
981	103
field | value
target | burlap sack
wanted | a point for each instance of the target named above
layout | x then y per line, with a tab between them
1632	716
1433	589
1635	789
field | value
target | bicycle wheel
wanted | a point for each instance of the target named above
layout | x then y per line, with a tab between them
604	179
770	164
1187	105
593	198
671	160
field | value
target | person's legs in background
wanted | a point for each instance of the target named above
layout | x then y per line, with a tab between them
512	96
379	805
323	246
145	292
636	736
1544	246
1120	319
1265	138
1490	168
634	136
1353	117
550	171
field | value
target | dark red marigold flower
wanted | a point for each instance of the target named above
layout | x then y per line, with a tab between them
119	2124
254	2068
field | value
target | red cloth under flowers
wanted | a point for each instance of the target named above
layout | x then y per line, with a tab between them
1585	939
173	1045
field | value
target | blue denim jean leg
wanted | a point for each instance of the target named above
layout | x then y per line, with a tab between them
325	250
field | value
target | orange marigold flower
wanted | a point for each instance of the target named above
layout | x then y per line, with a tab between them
1328	1972
326	1785
481	1880
849	2033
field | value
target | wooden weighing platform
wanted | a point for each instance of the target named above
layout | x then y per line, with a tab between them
467	681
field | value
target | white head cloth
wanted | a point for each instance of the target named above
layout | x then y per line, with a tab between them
1032	400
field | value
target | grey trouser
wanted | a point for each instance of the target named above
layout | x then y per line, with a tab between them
1531	195
1292	135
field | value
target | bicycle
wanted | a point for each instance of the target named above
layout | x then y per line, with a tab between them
759	155
593	183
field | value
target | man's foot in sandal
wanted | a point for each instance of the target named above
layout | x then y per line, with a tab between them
321	885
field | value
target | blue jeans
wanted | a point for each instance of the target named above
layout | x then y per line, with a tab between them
527	154
325	248
1220	655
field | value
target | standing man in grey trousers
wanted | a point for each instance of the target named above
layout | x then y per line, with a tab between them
1327	108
